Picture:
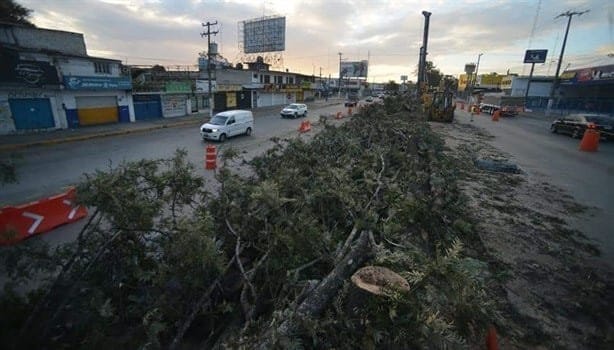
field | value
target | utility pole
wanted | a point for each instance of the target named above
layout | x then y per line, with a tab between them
208	34
569	15
340	77
321	82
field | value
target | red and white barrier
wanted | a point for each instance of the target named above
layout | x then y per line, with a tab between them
24	221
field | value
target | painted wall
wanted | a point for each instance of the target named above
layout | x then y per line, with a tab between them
83	67
537	88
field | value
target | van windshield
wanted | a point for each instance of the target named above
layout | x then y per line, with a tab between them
218	120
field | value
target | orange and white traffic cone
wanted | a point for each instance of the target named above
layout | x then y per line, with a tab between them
496	115
210	157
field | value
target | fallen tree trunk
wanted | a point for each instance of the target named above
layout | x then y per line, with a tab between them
316	301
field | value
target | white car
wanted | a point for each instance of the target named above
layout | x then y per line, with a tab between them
227	124
294	110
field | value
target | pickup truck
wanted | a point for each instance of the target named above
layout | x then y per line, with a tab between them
508	105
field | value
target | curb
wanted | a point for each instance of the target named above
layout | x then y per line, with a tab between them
4	148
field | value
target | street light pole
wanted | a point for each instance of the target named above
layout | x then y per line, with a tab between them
477	69
340	77
558	65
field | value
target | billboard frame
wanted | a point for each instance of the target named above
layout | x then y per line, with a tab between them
262	34
354	69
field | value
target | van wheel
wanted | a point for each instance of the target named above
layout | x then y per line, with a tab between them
222	137
295	115
248	131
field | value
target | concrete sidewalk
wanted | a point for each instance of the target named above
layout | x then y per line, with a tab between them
19	141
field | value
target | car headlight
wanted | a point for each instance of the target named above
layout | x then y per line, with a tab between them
214	130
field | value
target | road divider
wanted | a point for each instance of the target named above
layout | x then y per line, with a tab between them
41	216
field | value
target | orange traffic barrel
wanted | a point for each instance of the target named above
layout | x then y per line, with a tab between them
210	157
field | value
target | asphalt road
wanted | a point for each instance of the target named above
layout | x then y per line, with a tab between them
556	159
48	170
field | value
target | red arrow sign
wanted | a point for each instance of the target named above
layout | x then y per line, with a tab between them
19	223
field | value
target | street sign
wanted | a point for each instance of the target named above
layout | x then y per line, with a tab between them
535	56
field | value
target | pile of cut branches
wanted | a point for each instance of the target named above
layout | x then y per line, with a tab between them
267	261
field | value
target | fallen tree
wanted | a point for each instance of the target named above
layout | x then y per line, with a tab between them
266	261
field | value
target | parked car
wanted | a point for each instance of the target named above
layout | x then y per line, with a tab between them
227	124
294	110
369	99
576	124
351	101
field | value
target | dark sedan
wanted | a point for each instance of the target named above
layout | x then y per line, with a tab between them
576	124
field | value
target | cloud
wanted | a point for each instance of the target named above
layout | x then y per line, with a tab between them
389	32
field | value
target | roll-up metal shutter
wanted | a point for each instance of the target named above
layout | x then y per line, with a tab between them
94	110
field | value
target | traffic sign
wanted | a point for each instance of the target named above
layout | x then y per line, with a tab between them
21	222
535	56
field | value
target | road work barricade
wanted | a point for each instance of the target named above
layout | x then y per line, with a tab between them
210	157
24	221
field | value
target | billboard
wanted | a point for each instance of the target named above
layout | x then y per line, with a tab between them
469	68
535	56
589	76
265	34
356	69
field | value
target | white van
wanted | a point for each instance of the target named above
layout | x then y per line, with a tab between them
227	124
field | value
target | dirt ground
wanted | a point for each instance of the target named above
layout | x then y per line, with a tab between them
553	289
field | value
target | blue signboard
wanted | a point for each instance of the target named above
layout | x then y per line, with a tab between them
535	56
76	82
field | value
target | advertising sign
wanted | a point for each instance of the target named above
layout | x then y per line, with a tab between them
30	73
266	34
589	76
203	85
76	82
469	68
535	56
358	69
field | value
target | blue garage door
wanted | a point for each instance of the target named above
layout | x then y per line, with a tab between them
31	113
147	107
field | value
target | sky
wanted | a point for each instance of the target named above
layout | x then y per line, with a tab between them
386	32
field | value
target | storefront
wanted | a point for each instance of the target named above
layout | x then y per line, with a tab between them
588	90
97	100
28	94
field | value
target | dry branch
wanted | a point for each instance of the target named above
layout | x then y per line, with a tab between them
318	299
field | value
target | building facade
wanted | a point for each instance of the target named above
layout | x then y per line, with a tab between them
47	81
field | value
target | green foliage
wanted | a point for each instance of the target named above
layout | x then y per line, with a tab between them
391	87
12	12
8	172
160	248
